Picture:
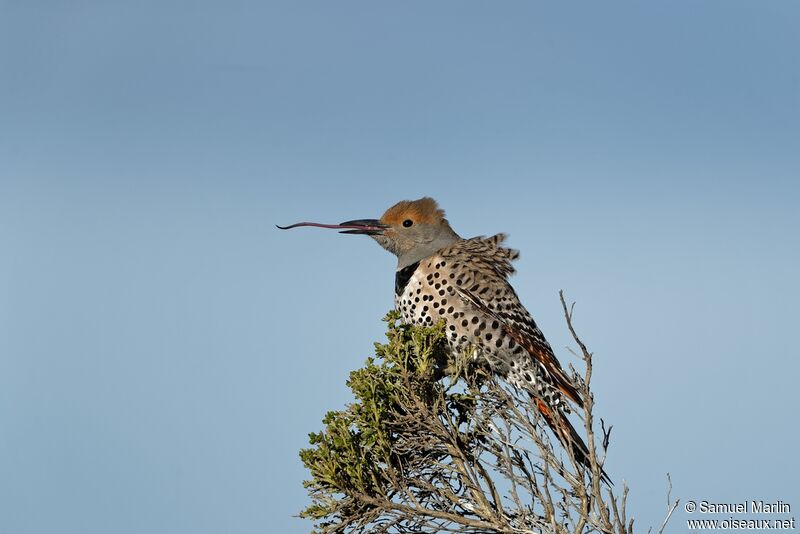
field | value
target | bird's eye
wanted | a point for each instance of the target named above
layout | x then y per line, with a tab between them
407	223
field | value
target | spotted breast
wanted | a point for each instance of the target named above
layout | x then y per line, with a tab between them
466	286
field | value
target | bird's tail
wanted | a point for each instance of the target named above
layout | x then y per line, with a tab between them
569	437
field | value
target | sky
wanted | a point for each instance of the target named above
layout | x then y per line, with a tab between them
165	351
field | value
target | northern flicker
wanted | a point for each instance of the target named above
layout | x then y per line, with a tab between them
441	276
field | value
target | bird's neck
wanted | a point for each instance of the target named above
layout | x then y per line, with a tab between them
426	250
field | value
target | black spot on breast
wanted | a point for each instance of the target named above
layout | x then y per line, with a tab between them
402	277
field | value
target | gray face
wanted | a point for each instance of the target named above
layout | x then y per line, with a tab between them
415	242
411	230
386	243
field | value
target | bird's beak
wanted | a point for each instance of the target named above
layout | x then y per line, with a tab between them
364	226
359	226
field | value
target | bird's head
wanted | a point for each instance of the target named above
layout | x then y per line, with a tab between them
411	230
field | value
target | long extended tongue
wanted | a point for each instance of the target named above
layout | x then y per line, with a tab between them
320	225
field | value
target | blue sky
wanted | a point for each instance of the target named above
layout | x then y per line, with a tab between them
164	350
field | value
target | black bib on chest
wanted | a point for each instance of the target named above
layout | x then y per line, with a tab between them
402	277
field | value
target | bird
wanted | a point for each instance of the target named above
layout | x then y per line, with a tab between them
441	276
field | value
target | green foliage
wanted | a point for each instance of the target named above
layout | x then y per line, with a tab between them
469	454
357	453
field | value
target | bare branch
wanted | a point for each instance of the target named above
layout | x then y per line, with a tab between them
670	506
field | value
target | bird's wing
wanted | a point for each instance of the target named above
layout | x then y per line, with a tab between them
483	266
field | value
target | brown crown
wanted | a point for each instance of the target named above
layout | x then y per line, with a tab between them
424	210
